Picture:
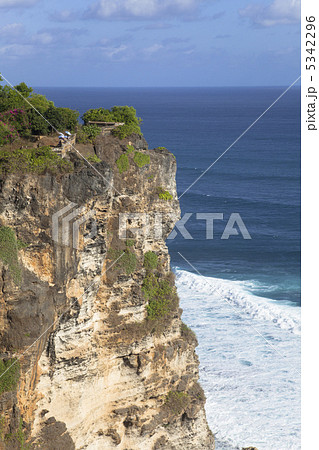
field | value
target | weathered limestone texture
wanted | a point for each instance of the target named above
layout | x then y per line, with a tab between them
107	374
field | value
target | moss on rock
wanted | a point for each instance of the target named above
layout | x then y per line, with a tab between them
160	296
141	159
9	375
125	260
123	163
9	247
176	402
164	195
150	260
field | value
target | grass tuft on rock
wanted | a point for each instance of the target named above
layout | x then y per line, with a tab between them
94	159
150	260
160	295
176	402
130	148
164	195
141	159
33	160
123	163
9	247
125	260
9	376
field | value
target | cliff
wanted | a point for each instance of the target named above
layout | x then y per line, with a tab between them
100	357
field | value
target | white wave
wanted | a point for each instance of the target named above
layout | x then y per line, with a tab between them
236	294
249	351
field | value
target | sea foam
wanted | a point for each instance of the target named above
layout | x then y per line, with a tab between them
249	350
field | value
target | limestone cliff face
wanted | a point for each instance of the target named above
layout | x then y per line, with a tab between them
104	370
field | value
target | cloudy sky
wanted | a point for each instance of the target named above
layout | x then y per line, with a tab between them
150	42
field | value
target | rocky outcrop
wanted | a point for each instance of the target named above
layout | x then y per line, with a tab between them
95	329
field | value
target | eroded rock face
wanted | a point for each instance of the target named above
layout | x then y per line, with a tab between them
99	373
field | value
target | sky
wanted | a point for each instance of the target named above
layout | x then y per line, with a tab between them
150	43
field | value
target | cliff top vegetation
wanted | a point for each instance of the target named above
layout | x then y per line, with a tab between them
24	113
122	114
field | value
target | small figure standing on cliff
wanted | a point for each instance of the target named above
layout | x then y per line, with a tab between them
61	139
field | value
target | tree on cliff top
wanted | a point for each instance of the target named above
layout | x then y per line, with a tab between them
60	118
125	114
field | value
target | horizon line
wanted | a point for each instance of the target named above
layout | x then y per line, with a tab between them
169	87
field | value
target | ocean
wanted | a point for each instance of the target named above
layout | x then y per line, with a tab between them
241	296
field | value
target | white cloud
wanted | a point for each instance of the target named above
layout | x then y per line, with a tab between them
12	31
17	50
110	52
140	9
56	36
43	38
276	13
153	49
17	3
65	15
113	49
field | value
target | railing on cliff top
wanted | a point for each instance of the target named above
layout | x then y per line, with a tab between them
106	127
68	144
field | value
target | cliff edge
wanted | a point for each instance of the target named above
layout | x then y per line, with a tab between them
93	351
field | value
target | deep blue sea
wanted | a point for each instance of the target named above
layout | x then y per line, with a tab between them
244	300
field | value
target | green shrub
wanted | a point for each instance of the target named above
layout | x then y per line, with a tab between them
123	163
176	402
2	427
13	124
33	160
91	131
130	149
126	130
160	296
141	159
21	244
164	195
62	119
8	134
87	133
9	378
130	243
150	260
37	123
161	148
94	159
9	247
123	114
127	262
